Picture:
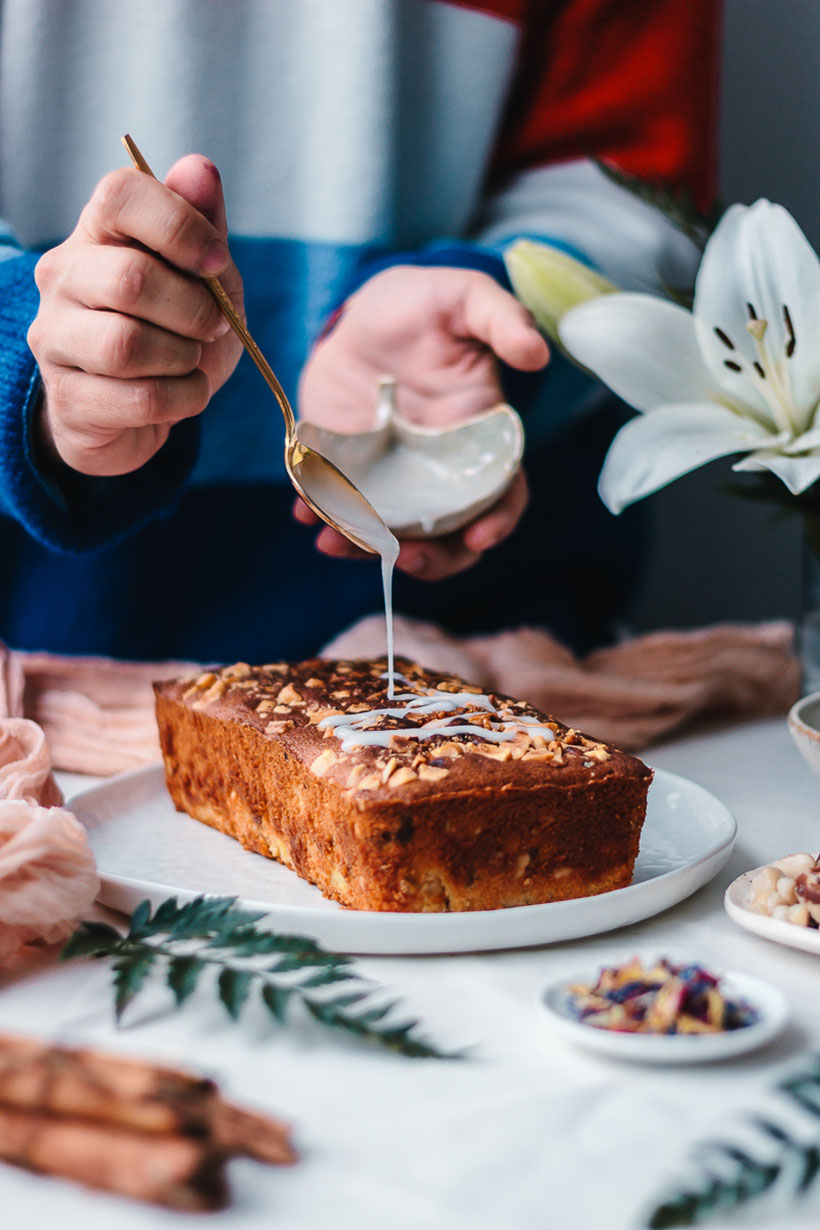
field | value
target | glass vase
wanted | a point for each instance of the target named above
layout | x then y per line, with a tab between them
809	630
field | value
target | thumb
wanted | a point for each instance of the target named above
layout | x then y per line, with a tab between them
197	180
493	316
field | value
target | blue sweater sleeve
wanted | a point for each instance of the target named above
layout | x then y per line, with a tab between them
547	400
77	513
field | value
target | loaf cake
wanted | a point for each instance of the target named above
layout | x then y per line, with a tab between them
441	799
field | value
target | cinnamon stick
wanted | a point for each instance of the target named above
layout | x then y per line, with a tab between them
80	1082
119	1124
178	1172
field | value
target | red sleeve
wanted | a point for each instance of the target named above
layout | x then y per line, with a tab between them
634	82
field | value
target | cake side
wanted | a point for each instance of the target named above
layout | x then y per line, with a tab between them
451	822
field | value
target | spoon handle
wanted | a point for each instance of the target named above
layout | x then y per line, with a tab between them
230	313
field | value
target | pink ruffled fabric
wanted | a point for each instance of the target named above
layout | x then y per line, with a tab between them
47	871
97	713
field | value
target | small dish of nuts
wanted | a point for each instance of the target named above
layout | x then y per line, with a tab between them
780	901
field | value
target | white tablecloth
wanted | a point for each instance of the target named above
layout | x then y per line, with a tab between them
526	1133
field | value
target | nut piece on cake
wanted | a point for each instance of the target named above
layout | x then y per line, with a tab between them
459	801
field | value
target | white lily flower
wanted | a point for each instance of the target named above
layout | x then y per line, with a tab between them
740	373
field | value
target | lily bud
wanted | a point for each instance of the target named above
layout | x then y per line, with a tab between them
549	282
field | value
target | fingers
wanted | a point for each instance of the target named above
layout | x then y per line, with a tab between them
499	521
331	542
197	180
303	514
96	405
434	559
135	283
494	317
128	205
108	344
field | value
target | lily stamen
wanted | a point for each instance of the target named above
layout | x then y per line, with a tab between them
767	368
791	341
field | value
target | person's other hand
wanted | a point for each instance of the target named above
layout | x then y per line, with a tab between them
439	332
128	338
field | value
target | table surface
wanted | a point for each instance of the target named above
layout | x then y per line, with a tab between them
528	1131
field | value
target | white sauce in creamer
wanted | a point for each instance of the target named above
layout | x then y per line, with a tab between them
352	729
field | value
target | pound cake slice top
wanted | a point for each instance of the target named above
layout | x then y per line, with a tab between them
335	718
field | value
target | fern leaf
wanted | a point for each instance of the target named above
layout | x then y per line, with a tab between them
91	939
130	972
183	976
277	1000
234	988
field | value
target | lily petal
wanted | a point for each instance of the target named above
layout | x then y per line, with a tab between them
654	449
758	255
804	366
798	473
802	444
643	347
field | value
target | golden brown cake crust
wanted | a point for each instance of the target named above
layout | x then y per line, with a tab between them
449	822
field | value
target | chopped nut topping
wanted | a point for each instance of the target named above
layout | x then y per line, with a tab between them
360	708
314	683
324	761
278	728
239	670
494	751
521	864
282	709
450	749
264	706
429	773
389	768
537	754
598	753
339	695
203	681
371	782
289	696
217	689
319	715
275	666
402	776
356	774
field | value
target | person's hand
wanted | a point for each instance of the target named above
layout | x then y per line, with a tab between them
128	339
439	332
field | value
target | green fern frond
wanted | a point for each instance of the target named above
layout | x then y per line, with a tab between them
212	933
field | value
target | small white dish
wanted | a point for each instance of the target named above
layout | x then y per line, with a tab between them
804	727
768	1002
778	930
425	481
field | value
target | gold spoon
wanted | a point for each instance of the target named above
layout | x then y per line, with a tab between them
318	481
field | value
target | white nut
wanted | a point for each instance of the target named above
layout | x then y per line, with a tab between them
785	889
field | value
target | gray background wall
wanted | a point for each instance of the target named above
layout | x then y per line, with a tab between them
716	557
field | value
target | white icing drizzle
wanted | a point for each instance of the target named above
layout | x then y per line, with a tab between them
356	729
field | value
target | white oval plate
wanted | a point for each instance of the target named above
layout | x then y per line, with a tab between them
146	849
673	1048
775	929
